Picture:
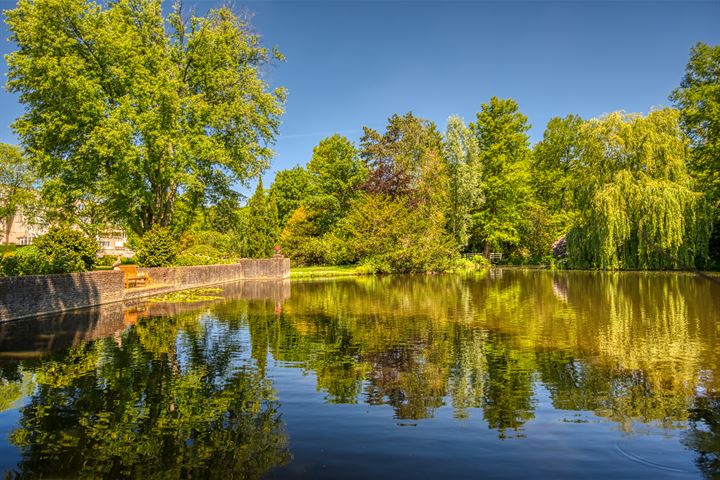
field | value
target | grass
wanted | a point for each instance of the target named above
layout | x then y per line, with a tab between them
315	272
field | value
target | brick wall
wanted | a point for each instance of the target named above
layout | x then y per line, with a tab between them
245	269
34	295
37	294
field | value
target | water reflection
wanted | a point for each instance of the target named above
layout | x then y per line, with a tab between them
186	390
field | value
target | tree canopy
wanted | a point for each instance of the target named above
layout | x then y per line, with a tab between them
501	135
148	114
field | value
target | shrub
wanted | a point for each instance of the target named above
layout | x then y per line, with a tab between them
60	250
201	255
67	250
397	234
23	261
373	265
219	241
304	243
157	248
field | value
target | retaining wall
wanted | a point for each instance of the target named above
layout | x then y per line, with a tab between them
34	295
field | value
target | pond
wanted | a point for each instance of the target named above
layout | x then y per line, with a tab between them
515	374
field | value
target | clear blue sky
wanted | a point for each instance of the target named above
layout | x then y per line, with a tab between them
353	63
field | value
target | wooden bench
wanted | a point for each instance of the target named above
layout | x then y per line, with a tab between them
133	277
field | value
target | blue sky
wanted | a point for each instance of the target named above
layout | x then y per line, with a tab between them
352	63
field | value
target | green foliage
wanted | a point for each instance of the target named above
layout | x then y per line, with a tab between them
500	130
206	247
220	241
306	241
555	174
62	249
16	182
335	170
698	98
23	261
636	205
147	114
290	188
157	248
398	237
7	248
261	233
67	249
201	255
462	163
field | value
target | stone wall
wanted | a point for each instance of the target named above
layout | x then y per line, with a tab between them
38	294
34	295
246	269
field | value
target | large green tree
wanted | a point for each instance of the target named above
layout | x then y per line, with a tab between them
635	199
16	181
462	163
554	166
147	114
504	154
336	169
290	188
698	98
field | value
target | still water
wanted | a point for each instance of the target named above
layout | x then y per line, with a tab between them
517	374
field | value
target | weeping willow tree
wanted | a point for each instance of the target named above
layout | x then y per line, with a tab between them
636	200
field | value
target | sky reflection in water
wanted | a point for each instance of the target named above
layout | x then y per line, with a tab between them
517	373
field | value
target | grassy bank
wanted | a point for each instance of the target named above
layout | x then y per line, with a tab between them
331	271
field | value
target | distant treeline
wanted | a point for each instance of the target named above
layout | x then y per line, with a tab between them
146	121
623	191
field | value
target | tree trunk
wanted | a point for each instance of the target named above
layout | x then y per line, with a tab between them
8	227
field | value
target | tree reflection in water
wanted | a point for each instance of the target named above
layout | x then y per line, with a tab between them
172	395
139	408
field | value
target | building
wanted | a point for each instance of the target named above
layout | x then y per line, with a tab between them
22	232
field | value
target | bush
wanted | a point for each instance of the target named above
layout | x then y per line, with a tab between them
23	261
219	241
397	234
67	250
373	265
476	263
157	248
304	243
60	250
202	255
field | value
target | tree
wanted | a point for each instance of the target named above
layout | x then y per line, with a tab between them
462	163
394	160
262	226
148	114
335	169
698	98
636	206
554	161
554	166
16	181
290	188
504	153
